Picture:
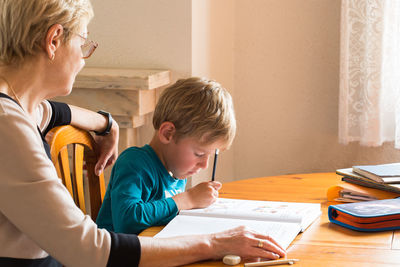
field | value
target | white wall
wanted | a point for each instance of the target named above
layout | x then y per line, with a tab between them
142	34
287	87
212	57
278	58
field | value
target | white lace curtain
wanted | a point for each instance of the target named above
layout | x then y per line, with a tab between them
369	106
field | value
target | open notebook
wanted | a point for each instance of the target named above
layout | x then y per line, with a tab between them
281	220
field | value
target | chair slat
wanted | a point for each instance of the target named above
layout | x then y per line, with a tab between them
65	169
78	173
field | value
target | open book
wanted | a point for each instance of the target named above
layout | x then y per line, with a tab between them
281	220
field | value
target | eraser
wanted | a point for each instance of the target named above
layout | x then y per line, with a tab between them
231	259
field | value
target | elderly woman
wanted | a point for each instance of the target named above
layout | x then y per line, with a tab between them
43	44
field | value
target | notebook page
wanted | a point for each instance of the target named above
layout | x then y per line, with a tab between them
283	233
302	213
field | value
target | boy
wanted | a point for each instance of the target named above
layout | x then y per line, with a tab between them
192	118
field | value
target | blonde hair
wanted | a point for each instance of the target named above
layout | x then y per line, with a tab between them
199	108
24	24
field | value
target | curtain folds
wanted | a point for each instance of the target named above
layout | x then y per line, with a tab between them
369	102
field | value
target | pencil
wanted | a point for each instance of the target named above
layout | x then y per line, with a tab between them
215	164
271	263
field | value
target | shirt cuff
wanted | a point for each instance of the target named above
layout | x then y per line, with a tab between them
172	206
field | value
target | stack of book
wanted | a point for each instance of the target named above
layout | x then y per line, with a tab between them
367	182
375	189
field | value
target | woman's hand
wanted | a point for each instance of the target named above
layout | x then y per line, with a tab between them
246	243
176	251
107	145
106	148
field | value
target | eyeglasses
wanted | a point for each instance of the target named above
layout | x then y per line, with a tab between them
88	47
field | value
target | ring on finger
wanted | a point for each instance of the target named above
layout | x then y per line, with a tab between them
260	244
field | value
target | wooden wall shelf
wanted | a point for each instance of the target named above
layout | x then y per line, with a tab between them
130	95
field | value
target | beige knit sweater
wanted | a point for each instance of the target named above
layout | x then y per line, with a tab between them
37	214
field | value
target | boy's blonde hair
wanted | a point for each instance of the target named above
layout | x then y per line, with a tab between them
199	108
24	24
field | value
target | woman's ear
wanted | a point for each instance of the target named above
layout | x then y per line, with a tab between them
53	40
166	132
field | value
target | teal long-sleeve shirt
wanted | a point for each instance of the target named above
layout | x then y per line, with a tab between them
139	194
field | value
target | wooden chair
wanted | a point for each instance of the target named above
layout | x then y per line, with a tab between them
81	143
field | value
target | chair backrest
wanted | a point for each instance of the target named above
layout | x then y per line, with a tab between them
81	143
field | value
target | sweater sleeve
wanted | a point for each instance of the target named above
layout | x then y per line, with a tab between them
132	209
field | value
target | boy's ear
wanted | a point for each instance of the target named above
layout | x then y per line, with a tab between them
166	132
53	40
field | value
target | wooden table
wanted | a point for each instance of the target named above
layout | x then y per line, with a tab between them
323	243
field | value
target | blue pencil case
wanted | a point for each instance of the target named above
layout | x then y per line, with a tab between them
377	215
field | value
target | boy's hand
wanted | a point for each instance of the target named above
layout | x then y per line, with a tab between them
199	196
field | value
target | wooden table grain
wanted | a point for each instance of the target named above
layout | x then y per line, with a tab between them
323	244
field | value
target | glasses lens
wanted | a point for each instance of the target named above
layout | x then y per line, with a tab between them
88	48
